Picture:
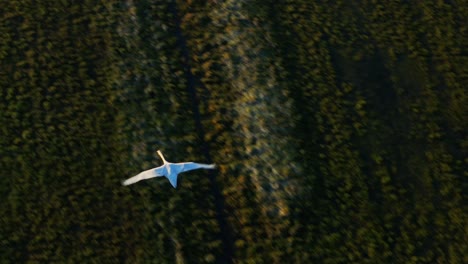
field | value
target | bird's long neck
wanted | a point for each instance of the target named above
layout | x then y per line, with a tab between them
162	157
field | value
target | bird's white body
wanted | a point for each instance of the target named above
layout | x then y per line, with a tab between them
168	170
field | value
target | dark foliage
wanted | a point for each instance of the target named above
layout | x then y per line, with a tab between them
338	127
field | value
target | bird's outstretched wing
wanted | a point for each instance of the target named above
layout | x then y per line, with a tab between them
141	176
176	168
188	166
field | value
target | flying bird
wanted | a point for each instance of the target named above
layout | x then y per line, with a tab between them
168	170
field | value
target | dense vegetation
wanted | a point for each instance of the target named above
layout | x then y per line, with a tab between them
338	127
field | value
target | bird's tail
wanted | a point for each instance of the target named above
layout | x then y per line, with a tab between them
172	179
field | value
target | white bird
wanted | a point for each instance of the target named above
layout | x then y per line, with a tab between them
168	170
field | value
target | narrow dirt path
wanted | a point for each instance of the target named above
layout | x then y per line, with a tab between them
225	233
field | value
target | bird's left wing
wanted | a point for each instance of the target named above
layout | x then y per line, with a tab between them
141	176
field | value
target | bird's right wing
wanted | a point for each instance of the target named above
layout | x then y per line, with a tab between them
141	176
188	166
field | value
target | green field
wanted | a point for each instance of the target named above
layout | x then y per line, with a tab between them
339	129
